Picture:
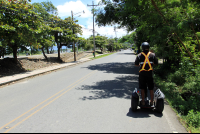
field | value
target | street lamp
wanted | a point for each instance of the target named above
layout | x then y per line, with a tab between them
74	33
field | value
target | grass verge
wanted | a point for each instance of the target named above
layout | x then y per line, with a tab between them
97	57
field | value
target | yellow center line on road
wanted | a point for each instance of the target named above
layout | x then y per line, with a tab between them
78	81
44	106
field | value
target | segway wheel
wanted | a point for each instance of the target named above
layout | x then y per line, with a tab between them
160	105
134	103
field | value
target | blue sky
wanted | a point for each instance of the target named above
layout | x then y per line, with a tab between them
85	20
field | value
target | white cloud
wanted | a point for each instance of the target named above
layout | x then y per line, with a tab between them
76	7
105	31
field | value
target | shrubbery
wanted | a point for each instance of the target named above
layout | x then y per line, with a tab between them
193	118
182	89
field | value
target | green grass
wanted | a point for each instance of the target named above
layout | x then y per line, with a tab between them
97	57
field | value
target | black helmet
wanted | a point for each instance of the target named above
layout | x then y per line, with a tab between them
145	46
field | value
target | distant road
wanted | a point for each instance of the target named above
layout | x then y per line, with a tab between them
91	97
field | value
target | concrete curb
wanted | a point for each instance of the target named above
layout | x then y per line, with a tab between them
17	77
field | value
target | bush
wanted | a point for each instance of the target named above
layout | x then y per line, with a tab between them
193	118
192	84
178	77
181	87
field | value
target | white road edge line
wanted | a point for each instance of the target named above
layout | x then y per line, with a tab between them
169	122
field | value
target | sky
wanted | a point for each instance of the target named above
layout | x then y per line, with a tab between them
85	20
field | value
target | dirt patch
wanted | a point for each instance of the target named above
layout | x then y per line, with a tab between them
9	68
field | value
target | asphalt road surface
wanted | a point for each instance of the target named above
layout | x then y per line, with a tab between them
94	96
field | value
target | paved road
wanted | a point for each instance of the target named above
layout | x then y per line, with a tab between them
91	97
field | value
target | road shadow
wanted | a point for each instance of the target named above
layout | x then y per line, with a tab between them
8	67
121	87
143	113
116	67
126	54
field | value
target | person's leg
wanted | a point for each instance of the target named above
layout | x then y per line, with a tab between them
150	83
142	86
143	96
152	96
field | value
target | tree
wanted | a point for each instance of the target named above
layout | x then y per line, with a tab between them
63	31
100	41
165	24
110	44
45	39
128	38
82	42
18	25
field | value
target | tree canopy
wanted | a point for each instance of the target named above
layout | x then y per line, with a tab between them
34	25
169	26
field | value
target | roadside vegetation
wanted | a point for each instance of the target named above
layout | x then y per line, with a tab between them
36	28
104	55
172	27
181	88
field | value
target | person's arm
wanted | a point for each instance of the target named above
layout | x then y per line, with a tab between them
137	62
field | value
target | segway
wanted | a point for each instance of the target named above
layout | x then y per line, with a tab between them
158	101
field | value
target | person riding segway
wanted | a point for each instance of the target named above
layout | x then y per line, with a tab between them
145	60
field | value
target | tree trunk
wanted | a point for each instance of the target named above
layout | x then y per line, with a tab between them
112	48
101	50
31	50
14	47
3	52
58	51
191	56
47	50
44	54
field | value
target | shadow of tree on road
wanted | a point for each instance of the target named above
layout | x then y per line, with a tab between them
121	87
116	67
126	54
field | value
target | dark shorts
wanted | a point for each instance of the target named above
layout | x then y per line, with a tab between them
146	80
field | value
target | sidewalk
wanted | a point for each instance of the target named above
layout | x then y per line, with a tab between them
10	79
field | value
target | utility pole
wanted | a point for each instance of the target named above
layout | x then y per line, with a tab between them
73	41
115	31
115	34
73	33
93	25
